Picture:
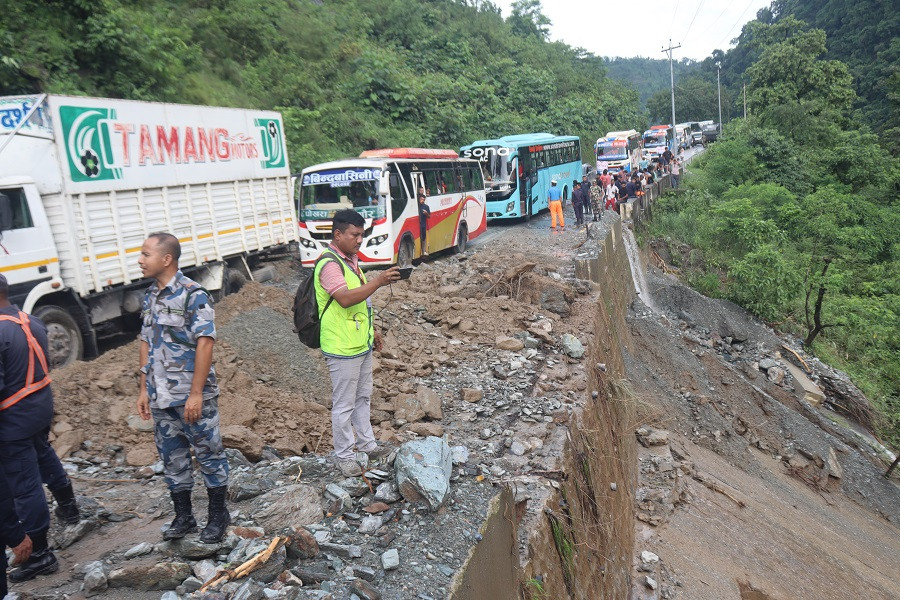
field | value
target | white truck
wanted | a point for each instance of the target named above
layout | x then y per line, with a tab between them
83	181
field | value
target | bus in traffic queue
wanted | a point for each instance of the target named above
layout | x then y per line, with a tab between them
658	138
382	186
518	170
618	150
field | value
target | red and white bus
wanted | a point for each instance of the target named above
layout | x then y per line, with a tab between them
382	186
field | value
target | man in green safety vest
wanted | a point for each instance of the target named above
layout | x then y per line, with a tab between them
348	337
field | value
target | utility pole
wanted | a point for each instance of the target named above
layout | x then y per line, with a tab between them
672	76
719	85
745	101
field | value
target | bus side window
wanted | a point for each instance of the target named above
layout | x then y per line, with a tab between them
475	180
449	181
431	182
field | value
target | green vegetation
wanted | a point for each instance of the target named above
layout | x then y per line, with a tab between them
649	76
534	587
347	75
794	214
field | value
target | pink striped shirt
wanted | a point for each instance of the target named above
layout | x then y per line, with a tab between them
332	275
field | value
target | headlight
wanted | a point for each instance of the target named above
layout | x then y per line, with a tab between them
307	243
510	206
375	241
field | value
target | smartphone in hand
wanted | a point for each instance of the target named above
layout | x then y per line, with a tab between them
405	272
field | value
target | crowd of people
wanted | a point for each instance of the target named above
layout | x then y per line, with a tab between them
609	191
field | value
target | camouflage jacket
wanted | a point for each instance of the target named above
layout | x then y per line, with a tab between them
596	193
172	320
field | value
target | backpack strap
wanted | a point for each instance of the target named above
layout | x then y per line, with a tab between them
331	257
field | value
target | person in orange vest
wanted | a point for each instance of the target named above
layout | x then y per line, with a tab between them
26	457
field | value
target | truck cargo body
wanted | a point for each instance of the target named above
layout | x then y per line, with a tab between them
88	179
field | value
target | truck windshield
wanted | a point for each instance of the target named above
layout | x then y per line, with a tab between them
323	193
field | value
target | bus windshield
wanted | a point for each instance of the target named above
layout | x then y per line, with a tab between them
609	152
654	140
497	164
325	192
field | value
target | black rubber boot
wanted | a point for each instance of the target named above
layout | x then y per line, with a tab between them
184	522
41	562
66	507
219	519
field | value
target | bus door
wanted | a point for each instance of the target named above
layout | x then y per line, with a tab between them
525	168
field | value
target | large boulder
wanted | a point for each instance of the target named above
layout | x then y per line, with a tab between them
423	471
243	439
295	505
158	576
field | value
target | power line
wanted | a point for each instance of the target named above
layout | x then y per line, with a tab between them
749	4
673	16
694	19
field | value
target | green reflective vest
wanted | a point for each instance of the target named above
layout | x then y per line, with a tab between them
345	332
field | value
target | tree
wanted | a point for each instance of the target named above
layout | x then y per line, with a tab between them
527	19
792	73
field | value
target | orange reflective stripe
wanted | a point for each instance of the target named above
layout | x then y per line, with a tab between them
31	386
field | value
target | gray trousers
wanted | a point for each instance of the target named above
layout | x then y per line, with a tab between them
351	384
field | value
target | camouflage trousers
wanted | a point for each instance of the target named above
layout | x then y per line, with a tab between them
175	439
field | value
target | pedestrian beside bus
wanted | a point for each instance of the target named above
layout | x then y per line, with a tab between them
596	195
586	194
554	199
612	195
578	202
179	389
26	457
348	337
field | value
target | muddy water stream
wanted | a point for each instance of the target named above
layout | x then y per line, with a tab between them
637	269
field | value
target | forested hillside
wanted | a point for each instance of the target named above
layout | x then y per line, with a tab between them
794	212
348	75
647	75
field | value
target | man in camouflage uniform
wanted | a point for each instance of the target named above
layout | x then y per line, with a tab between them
597	198
178	386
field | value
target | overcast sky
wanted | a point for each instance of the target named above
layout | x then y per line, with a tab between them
643	27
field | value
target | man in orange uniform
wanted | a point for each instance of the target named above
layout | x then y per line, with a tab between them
554	197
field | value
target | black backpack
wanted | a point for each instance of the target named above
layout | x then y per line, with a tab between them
307	322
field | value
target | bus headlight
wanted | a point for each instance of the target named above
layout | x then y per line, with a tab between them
510	206
375	241
307	243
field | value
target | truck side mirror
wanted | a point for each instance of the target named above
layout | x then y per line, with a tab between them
6	213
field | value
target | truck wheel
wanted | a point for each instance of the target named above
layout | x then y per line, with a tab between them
64	342
462	238
234	281
405	254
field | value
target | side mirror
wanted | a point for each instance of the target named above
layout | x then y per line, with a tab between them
6	213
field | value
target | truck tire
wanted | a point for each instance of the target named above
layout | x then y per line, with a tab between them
64	342
405	253
462	238
234	281
264	274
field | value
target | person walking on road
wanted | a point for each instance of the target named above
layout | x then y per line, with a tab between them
676	172
12	534
578	202
27	459
554	198
179	389
596	195
347	337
